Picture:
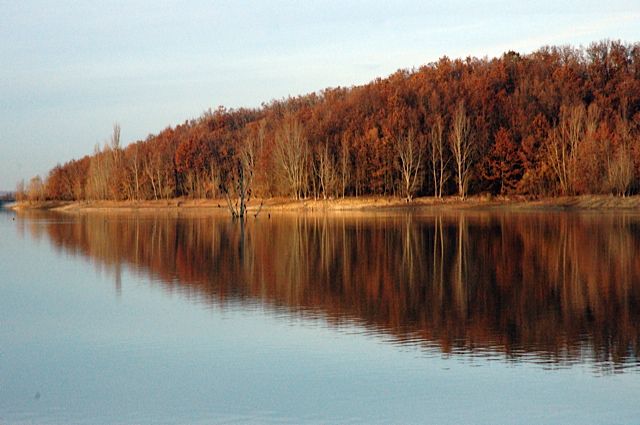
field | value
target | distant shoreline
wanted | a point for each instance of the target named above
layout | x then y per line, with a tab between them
370	203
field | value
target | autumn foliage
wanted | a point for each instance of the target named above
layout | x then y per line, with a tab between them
558	121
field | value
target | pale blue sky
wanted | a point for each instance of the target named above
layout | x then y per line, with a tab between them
70	69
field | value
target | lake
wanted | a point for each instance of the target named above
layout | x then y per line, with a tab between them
346	318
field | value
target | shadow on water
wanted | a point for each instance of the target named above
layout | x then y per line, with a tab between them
552	288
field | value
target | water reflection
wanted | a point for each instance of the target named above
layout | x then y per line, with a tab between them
554	288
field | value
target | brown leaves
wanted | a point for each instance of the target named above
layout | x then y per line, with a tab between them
551	121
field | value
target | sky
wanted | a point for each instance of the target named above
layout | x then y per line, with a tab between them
69	70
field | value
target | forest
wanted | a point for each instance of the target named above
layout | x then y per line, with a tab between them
555	122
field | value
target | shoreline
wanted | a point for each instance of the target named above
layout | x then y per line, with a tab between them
363	204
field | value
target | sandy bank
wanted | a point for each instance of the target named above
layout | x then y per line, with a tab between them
590	202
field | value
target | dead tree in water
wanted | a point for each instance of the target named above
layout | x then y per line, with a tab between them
238	189
237	186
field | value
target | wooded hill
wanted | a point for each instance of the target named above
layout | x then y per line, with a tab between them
558	121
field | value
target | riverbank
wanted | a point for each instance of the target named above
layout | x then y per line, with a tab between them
588	202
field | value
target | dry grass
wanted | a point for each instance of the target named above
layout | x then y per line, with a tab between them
370	203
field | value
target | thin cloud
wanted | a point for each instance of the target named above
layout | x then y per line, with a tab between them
593	30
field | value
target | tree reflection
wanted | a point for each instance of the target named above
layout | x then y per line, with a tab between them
549	287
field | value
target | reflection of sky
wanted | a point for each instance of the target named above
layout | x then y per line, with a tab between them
141	355
70	70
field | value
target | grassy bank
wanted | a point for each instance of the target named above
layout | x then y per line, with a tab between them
590	202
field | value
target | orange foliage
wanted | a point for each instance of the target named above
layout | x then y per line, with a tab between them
513	104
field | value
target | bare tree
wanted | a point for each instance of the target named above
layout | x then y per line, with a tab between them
461	148
103	168
563	146
237	187
21	193
213	181
131	173
35	191
115	137
151	168
558	158
620	172
439	161
99	172
158	167
410	150
136	169
325	168
117	178
292	155
345	164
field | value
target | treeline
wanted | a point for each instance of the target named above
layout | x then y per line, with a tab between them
7	196
559	121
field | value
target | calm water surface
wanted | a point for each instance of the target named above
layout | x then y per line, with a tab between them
481	318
